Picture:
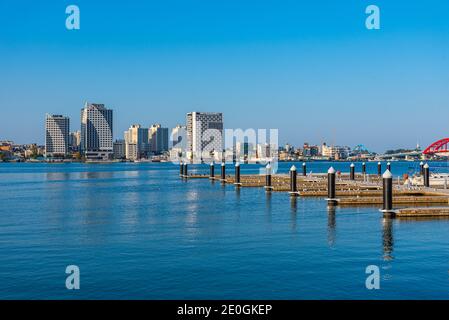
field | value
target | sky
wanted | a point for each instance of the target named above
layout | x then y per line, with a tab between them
308	68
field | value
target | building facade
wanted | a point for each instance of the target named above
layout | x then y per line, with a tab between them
119	149
96	132
177	142
158	139
335	152
75	140
57	128
204	135
136	142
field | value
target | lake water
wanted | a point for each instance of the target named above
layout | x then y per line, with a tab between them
137	231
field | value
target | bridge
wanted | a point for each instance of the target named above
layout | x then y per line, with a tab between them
439	147
402	155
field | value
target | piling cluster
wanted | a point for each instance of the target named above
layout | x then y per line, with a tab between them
338	189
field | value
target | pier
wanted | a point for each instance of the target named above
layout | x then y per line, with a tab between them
349	189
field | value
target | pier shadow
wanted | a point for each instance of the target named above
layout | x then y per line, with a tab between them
237	193
387	239
331	225
268	205
293	212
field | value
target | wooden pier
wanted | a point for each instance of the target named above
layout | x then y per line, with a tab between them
360	191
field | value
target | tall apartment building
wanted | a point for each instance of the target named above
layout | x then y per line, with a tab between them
204	135
96	132
158	139
57	128
75	140
136	142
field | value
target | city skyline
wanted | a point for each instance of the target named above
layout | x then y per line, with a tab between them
296	67
121	135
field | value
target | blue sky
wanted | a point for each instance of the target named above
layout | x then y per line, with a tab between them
309	68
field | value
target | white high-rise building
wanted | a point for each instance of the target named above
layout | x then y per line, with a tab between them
204	135
57	130
96	132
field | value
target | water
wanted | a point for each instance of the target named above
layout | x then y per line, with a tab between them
138	232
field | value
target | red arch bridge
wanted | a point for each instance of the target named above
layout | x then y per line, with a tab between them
439	147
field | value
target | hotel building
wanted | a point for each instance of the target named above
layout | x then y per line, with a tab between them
96	132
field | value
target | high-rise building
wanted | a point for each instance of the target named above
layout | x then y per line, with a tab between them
178	136
136	142
158	139
96	131
119	149
57	128
75	140
178	140
204	135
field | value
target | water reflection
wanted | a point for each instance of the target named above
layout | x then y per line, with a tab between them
331	225
293	211
52	176
96	175
237	193
268	209
387	238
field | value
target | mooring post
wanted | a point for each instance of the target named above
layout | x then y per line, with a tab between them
237	174
212	171
268	185
421	166
181	169
389	166
304	169
185	170
379	169
293	186
331	200
364	168
223	172
387	193
426	175
352	172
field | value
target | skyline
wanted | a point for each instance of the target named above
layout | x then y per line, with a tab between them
263	65
120	136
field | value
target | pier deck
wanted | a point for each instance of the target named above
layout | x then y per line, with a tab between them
364	190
